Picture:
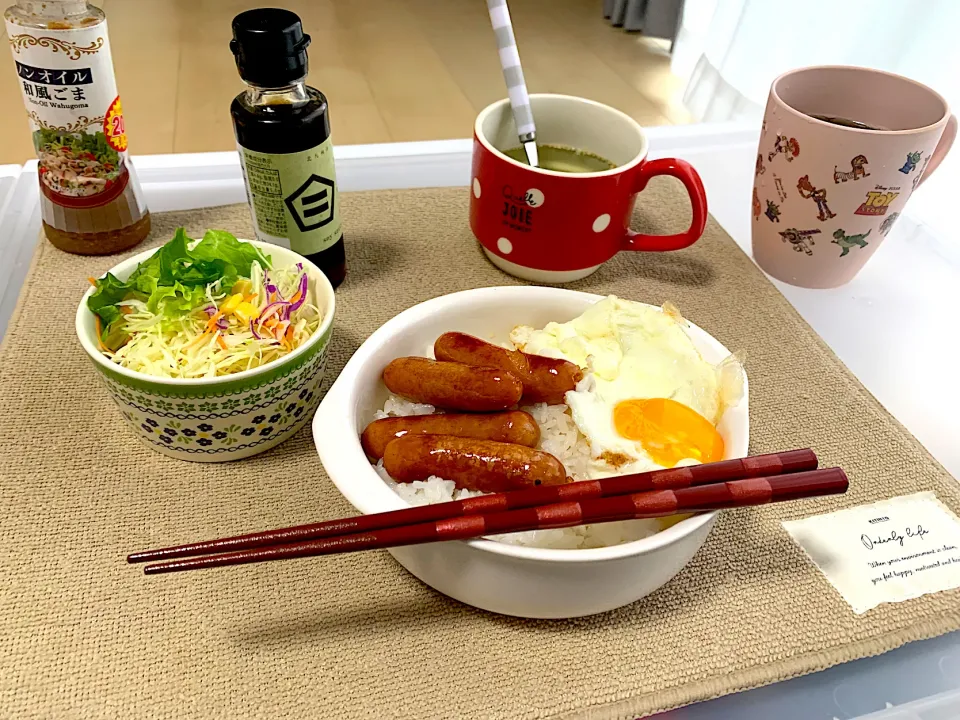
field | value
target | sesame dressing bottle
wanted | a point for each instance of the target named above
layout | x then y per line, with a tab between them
90	199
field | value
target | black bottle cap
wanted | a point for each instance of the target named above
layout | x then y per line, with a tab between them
270	47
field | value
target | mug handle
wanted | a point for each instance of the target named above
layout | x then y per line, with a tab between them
684	172
942	148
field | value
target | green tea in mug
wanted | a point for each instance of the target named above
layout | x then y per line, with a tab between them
563	159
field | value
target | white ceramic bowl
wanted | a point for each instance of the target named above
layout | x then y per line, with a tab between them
223	418
508	579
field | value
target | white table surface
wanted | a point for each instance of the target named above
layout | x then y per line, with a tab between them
894	326
8	180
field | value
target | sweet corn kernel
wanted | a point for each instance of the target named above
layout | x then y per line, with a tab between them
231	303
242	287
245	311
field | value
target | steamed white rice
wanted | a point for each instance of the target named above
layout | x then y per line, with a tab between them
560	437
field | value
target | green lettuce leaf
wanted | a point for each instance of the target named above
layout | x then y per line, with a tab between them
176	300
173	281
109	292
219	245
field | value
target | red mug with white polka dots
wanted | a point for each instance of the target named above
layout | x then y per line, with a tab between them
557	227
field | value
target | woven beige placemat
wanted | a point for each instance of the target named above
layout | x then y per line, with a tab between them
83	635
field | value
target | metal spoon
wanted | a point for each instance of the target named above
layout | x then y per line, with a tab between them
513	76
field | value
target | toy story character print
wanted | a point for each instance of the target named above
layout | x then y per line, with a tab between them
759	169
888	223
858	169
756	205
800	240
919	175
819	196
772	212
911	164
849	241
878	201
778	184
788	146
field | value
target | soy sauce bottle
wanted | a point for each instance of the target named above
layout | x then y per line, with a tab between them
282	127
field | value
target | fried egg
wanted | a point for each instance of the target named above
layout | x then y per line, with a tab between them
648	400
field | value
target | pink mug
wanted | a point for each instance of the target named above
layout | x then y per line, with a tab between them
842	148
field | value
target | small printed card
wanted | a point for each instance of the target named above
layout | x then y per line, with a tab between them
890	551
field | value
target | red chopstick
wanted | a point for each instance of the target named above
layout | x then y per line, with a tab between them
738	469
650	504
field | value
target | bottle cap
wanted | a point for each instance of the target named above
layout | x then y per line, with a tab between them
270	47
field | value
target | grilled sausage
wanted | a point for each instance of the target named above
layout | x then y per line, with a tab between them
452	385
482	465
515	427
544	379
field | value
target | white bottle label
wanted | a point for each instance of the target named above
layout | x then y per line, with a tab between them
70	93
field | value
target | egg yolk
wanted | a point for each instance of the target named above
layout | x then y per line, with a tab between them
668	431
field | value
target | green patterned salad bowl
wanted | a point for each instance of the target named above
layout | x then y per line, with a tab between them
227	417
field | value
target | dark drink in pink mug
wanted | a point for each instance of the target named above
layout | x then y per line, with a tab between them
557	227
